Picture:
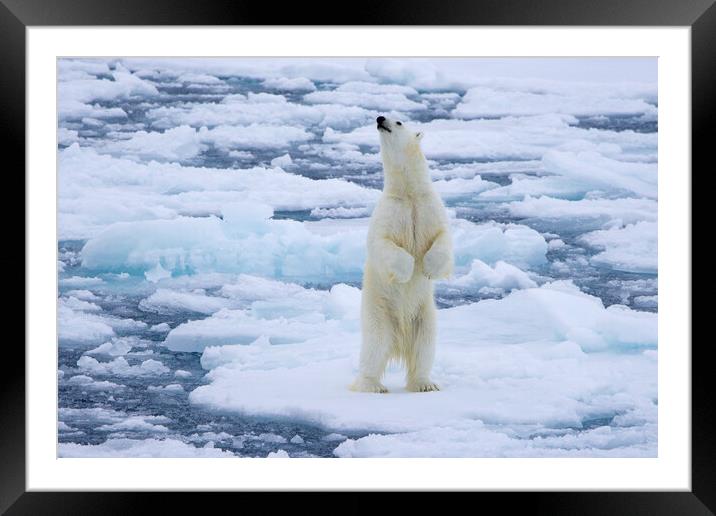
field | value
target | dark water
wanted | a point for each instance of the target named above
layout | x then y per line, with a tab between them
247	436
184	420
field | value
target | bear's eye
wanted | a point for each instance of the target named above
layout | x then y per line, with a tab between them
399	123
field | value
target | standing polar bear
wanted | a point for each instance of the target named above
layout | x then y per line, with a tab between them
409	246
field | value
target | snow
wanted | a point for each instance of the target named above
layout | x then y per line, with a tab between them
373	88
156	274
556	243
166	301
460	187
79	281
172	388
475	439
137	424
79	327
176	144
76	325
543	356
254	108
115	347
74	110
154	448
282	161
268	67
120	367
160	328
632	248
482	102
67	136
593	168
417	72
85	295
341	212
491	242
86	382
286	84
76	95
366	96
502	276
628	210
97	190
258	304
199	78
123	84
421	73
91	68
508	138
91	415
500	168
79	305
247	240
184	142
247	326
253	136
63	427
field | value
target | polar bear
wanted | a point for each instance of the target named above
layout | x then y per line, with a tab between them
409	246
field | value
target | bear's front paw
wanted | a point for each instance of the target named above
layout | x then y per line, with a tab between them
425	385
401	269
363	384
437	264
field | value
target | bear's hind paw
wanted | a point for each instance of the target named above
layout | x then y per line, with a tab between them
426	386
368	385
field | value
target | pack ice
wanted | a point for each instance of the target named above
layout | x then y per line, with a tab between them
212	218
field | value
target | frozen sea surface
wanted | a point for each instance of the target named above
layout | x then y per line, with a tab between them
212	221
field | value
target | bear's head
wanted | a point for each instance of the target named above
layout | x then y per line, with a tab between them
398	144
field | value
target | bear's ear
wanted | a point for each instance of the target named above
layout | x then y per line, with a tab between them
419	135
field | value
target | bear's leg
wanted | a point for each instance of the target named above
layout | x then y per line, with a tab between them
375	351
422	352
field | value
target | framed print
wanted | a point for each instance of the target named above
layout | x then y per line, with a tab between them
444	252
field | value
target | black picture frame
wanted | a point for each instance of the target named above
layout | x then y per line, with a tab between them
17	15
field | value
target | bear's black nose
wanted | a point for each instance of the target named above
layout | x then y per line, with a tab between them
380	120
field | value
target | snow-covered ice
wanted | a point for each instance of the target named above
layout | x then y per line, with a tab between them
629	248
212	218
120	367
122	447
545	360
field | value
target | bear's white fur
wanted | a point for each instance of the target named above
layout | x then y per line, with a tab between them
409	246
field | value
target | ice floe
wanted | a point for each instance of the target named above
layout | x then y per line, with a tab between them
247	240
97	190
632	248
483	101
85	382
549	357
124	447
120	367
502	276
